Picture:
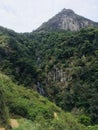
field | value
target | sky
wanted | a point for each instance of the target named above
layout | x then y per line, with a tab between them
28	15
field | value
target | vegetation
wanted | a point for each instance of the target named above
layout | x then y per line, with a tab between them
60	65
26	103
4	115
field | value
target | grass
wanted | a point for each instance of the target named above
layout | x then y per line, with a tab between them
34	111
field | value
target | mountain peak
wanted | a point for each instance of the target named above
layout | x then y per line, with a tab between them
67	10
67	19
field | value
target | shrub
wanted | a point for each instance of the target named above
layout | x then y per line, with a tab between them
83	119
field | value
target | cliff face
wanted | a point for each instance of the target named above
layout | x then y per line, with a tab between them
67	20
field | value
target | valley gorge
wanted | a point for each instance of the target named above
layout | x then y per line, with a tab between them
52	71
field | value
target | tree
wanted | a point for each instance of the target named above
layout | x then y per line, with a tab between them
4	116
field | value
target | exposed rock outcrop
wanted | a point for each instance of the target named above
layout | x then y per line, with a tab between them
67	19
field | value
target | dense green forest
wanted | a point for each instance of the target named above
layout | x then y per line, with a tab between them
61	65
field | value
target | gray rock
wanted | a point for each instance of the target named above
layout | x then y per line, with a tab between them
67	19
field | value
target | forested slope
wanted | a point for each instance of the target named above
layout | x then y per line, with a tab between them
61	65
26	104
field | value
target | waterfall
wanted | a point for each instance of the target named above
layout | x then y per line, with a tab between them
40	88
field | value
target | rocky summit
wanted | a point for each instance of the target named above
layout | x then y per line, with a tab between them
67	19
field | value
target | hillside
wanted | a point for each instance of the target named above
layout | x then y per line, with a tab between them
62	66
59	71
29	104
67	19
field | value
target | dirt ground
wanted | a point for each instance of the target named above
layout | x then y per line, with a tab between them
14	123
2	128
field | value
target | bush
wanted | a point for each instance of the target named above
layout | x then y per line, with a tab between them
4	114
92	127
83	119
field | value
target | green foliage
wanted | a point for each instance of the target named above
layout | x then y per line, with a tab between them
26	102
41	57
56	124
4	114
29	104
85	120
92	127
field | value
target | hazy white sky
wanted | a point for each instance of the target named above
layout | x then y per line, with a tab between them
27	15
